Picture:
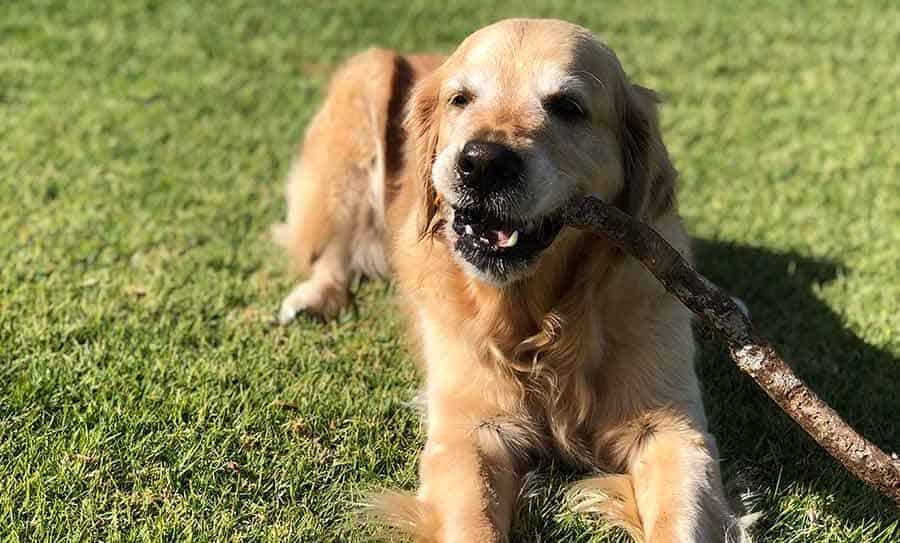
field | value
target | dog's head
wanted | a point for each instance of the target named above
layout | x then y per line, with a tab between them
523	116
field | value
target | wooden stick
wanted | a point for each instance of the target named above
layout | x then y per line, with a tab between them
753	355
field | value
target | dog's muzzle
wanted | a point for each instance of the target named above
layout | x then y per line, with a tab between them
485	167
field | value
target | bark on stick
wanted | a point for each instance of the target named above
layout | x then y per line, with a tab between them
753	355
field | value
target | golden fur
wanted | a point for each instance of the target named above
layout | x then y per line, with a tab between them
585	358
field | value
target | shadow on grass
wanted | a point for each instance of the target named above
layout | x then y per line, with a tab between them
759	444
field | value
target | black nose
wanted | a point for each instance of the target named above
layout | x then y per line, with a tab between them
487	166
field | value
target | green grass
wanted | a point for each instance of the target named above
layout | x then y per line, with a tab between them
144	397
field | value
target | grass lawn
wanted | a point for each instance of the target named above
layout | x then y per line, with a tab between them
145	397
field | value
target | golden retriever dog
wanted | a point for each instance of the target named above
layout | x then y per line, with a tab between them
537	341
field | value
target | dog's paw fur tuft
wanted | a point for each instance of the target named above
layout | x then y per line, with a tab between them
610	497
396	514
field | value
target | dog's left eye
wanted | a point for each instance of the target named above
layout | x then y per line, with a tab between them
460	99
565	106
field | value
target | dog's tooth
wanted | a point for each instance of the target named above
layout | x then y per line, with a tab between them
511	240
469	229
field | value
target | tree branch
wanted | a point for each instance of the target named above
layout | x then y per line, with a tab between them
753	355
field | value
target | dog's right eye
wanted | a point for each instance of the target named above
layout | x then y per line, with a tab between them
460	99
565	106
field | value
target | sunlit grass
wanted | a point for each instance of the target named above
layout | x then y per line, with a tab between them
143	394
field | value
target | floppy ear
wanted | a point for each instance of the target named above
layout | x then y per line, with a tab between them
649	190
422	125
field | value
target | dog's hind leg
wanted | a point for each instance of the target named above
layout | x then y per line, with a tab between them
333	230
337	190
325	292
318	235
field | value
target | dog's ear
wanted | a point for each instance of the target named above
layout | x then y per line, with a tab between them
423	127
649	190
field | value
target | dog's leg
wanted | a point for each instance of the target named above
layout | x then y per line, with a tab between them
326	291
675	471
472	490
327	216
318	237
672	491
468	489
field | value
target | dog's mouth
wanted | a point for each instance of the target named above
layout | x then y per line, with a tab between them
502	247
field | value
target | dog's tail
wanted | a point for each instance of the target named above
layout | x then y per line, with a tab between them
396	514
